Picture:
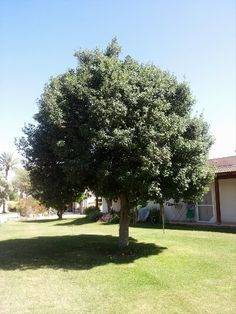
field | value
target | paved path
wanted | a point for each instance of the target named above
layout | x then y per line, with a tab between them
9	216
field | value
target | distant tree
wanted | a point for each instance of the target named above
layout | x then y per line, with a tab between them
21	182
48	181
7	163
4	190
123	130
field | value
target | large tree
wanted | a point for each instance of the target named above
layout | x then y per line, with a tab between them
124	130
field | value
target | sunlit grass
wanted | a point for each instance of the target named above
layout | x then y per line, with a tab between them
74	267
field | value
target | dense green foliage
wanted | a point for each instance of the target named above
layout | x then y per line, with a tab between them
48	181
119	128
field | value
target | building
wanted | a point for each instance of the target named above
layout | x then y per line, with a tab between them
218	205
225	189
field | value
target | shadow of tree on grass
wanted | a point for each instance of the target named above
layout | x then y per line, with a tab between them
76	222
30	221
78	252
68	221
185	227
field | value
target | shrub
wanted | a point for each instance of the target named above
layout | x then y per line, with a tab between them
90	209
94	215
12	206
29	206
106	217
110	218
115	219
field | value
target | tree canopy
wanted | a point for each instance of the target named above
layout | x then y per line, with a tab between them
121	129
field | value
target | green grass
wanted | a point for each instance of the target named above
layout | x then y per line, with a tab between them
74	267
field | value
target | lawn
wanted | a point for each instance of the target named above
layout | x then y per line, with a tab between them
74	267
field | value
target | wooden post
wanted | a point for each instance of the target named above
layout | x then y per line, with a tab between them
217	196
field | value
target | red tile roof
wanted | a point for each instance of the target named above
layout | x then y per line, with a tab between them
224	164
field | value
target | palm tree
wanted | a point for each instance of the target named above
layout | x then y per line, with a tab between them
4	190
7	163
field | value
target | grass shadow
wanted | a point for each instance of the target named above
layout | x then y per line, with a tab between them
39	220
63	222
76	222
168	226
78	252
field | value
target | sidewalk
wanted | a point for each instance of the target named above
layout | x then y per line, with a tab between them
8	216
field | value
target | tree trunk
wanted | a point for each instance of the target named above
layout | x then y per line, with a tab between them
109	204
6	173
71	207
60	213
162	216
4	207
134	216
5	201
81	207
124	222
96	201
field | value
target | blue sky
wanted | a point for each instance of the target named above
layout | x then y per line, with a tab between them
194	39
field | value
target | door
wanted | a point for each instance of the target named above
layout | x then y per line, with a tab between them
205	208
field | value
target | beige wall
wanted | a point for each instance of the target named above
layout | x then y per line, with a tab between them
227	189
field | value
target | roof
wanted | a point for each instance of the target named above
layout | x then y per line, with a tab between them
224	164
